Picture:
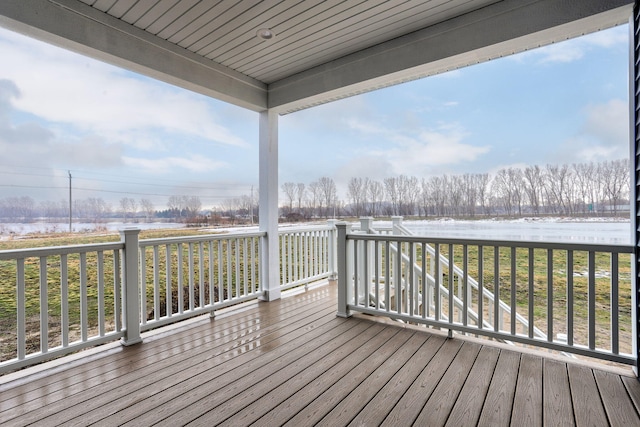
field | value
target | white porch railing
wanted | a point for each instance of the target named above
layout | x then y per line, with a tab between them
73	297
307	255
579	295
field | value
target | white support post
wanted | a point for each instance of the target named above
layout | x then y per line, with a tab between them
343	284
131	292
268	218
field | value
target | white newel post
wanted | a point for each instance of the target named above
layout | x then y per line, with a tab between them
366	224
343	285
268	218
131	292
396	221
331	247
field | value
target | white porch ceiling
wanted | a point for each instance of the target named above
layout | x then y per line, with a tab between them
322	50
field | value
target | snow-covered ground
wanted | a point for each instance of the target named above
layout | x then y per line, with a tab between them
552	229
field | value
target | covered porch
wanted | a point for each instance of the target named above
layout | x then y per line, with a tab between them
293	362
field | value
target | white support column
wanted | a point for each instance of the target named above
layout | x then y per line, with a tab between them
268	218
396	221
131	292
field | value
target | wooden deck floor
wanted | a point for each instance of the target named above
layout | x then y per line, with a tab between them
293	362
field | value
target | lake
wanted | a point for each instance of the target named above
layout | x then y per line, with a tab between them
556	230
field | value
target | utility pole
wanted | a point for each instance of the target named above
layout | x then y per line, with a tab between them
70	211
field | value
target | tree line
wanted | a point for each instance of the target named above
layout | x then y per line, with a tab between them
568	189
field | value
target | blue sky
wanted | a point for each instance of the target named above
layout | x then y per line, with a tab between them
125	135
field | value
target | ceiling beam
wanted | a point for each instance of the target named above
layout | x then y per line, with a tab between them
74	25
494	31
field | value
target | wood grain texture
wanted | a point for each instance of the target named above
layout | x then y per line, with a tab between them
293	362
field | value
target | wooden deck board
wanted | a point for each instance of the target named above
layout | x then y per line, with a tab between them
498	402
293	362
586	400
468	405
527	402
557	409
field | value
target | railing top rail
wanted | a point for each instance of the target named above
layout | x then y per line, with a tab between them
202	238
59	250
320	227
595	247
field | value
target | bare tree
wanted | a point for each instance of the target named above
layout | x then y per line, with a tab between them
147	207
290	190
328	194
356	192
375	195
129	207
300	192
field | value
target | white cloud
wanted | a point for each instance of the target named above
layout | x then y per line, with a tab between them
67	88
576	48
604	135
169	165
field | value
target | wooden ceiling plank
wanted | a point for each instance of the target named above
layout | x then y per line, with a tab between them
186	19
243	36
157	11
212	21
307	30
280	27
215	37
177	10
121	7
362	38
322	40
104	5
138	10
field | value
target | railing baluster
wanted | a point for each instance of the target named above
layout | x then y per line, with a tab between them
513	308
44	306
156	284
84	308
615	313
201	267
592	299
465	285
245	280
436	287
221	296
424	285
168	286
376	273
451	288
21	332
229	270
387	276
180	261
412	286
550	295
570	298
238	289
356	269
64	300
191	277
480	287
143	283
496	289
101	302
211	274
365	278
531	313
117	290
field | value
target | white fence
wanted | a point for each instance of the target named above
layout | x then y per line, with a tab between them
73	297
573	298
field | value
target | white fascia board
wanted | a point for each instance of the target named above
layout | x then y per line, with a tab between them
75	26
497	30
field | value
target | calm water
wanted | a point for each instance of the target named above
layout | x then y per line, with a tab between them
542	230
